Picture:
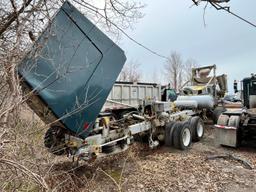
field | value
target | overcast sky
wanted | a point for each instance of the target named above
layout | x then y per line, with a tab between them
171	25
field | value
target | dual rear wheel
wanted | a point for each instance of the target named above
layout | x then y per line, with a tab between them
181	134
231	121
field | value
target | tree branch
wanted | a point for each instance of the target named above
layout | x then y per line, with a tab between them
13	17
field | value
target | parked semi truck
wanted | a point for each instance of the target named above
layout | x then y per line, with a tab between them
237	125
66	79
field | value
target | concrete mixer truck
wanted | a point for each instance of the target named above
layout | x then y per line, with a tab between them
203	92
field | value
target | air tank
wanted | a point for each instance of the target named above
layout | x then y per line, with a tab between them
186	104
203	101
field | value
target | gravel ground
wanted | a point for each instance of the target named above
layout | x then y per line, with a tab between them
167	169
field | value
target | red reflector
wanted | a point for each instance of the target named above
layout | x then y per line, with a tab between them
86	125
224	127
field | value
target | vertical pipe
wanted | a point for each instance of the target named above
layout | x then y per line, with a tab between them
214	73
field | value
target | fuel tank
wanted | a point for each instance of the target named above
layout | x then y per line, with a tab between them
202	101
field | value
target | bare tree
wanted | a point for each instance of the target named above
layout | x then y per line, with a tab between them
131	72
188	66
174	70
155	76
21	22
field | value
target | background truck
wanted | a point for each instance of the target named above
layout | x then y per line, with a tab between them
203	92
237	125
126	97
66	79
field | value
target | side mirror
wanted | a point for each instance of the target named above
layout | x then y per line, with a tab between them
235	87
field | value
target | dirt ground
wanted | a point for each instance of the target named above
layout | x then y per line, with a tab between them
167	169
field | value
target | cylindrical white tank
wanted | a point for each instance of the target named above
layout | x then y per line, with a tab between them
203	101
186	104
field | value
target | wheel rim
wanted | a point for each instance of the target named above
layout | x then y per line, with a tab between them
186	137
200	130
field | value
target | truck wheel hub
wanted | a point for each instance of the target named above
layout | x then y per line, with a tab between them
186	137
200	130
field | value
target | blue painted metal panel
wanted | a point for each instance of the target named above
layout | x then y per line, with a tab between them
73	67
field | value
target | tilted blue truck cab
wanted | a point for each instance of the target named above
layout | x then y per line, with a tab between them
72	68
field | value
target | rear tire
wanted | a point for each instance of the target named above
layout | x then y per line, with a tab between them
234	121
54	140
182	137
197	128
223	120
169	134
217	112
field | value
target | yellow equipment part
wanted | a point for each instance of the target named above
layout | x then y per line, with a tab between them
197	88
106	121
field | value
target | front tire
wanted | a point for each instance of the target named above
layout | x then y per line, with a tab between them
234	121
223	120
54	140
169	133
217	112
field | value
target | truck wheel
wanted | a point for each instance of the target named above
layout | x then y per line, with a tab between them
223	120
216	113
234	121
54	140
168	134
182	136
197	128
109	148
